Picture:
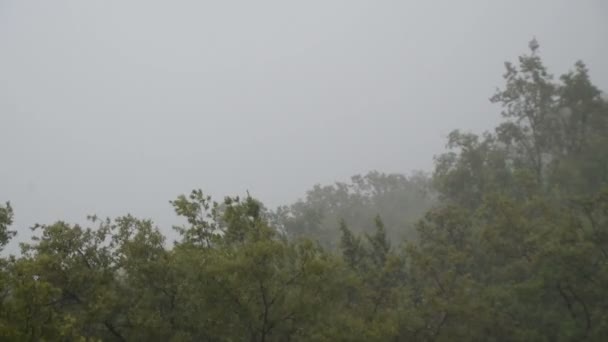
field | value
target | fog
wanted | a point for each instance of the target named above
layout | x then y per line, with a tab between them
111	107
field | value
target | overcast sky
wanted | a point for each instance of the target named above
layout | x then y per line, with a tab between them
111	107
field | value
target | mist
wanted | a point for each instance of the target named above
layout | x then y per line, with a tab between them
119	106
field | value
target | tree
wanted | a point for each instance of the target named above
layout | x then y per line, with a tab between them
398	199
510	243
513	249
6	219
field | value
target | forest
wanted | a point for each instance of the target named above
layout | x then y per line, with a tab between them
505	240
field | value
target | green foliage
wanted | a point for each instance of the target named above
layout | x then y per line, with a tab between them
507	242
398	199
6	219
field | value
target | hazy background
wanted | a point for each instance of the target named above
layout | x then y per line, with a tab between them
111	107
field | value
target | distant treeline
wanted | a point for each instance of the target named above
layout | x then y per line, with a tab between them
507	240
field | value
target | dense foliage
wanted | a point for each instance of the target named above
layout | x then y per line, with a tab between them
400	200
511	244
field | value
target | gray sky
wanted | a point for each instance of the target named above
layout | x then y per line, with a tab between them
111	107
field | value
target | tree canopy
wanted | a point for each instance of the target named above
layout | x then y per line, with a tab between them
506	240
